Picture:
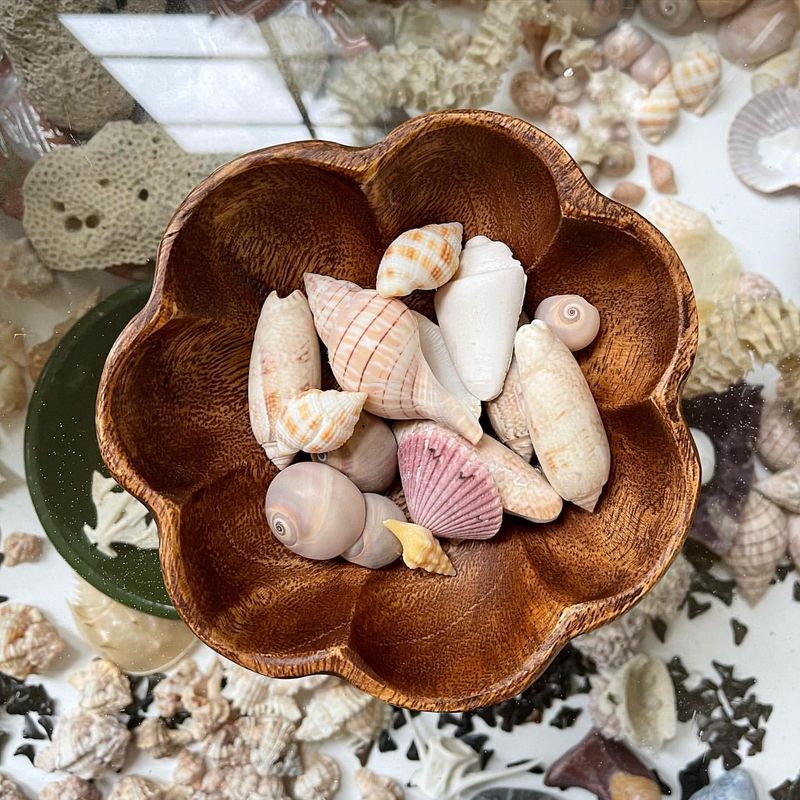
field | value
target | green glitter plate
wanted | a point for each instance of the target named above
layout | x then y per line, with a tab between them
61	453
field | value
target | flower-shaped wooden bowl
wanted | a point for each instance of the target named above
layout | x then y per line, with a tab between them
174	429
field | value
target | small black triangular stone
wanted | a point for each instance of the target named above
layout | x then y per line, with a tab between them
739	631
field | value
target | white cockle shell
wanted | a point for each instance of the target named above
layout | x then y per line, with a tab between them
478	312
422	258
284	363
565	426
696	75
377	546
657	113
783	488
571	317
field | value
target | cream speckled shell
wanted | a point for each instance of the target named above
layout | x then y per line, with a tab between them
759	545
317	421
422	258
783	488
657	113
697	74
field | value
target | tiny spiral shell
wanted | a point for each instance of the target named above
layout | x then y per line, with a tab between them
572	318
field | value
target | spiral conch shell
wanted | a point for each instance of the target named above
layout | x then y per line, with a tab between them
697	75
657	113
420	549
422	258
563	420
373	346
284	363
318	421
315	510
376	547
572	318
478	312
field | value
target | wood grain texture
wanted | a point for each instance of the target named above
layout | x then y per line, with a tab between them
173	421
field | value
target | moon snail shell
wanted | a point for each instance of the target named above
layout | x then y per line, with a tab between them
574	320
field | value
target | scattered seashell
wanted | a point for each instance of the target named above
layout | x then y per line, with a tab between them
564	424
705	452
715	9
71	788
121	518
562	120
252	694
10	791
778	437
85	744
629	193
368	457
735	784
448	489
376	547
673	16
320	781
661	175
572	318
420	549
134	787
696	75
21	271
373	345
103	688
315	510
329	709
651	68
614	643
764	140
325	298
13	361
422	258
270	740
478	313
532	94
783	488
665	599
154	737
318	421
759	545
757	287
28	642
284	363
636	703
780	70
758	31
794	539
435	352
618	159
19	548
136	642
377	787
365	726
625	43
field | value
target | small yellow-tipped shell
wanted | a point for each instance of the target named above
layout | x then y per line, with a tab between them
572	318
318	421
422	258
420	549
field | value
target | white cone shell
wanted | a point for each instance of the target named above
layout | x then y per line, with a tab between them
478	312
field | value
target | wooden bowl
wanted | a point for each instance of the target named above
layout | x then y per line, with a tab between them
173	415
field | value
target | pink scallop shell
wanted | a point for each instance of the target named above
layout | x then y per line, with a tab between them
447	488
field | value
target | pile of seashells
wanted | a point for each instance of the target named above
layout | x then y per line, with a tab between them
394	363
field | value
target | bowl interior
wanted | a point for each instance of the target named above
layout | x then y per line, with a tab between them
180	411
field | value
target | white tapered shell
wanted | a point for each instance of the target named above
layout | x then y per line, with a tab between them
625	43
764	139
781	70
315	510
783	488
435	352
284	363
373	346
563	421
318	421
422	258
635	703
652	67
478	312
778	442
760	543
368	457
447	487
376	547
571	317
657	113
697	74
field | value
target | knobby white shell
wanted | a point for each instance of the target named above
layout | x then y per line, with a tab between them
478	312
697	74
284	363
377	787
315	510
435	352
657	113
422	258
783	488
764	140
377	546
368	457
782	70
572	318
318	421
565	426
329	709
103	687
28	642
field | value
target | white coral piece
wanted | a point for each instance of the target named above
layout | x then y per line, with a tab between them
85	744
71	788
102	686
319	780
28	642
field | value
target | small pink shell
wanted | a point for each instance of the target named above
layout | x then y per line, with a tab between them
448	490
